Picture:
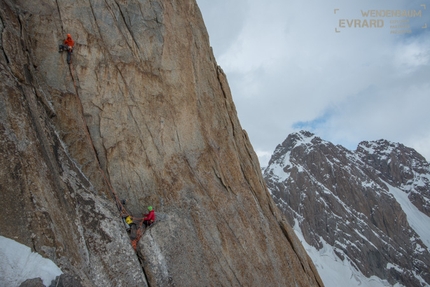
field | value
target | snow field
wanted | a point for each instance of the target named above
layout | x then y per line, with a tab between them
18	263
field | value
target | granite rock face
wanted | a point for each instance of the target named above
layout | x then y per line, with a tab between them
143	113
343	199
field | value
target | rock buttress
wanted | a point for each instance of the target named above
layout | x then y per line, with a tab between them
143	107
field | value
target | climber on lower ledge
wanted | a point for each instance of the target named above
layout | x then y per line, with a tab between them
67	46
131	227
129	223
149	218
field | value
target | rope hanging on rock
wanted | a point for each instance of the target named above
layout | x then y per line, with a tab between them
122	210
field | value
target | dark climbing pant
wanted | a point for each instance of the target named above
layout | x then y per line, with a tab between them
69	52
133	230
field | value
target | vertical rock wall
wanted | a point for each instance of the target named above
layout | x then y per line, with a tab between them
46	201
143	108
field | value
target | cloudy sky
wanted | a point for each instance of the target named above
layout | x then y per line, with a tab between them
346	70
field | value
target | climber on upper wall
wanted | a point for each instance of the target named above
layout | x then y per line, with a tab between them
67	46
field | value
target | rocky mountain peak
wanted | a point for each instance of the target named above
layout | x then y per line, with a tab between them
293	140
298	138
355	204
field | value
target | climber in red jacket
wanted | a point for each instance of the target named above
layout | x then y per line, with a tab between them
149	217
68	46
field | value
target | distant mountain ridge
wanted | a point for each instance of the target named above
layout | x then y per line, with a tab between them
358	202
400	166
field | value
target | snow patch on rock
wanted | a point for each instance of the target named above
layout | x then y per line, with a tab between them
18	263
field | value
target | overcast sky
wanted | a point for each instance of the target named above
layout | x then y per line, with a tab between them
327	68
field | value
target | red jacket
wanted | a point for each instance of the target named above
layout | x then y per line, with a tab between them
150	216
69	41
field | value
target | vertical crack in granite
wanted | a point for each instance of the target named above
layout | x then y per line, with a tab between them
143	111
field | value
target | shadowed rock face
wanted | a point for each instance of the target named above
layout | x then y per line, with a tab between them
143	111
341	198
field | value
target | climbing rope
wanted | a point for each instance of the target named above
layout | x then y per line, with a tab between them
122	210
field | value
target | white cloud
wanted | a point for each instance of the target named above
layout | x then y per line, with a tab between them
264	157
287	64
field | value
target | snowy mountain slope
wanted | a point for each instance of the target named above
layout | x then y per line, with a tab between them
18	263
337	272
401	167
357	206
